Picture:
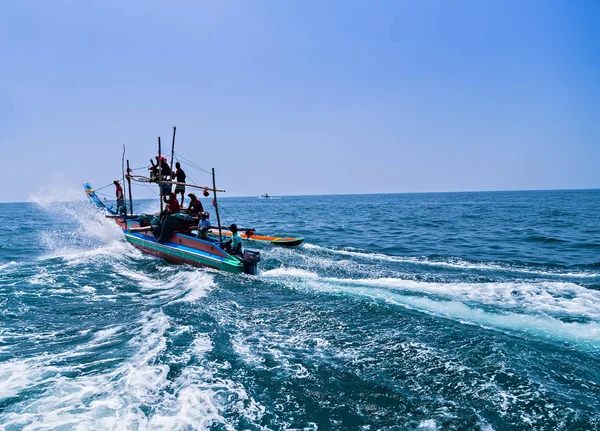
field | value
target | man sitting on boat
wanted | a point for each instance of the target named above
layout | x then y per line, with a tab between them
195	208
172	220
234	244
172	204
120	198
203	226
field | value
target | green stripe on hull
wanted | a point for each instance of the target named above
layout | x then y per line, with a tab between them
230	264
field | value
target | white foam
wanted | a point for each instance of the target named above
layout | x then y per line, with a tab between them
7	265
197	284
428	424
105	334
181	284
137	393
543	297
455	263
16	375
90	230
526	308
289	272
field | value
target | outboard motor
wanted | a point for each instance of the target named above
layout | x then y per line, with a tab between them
251	259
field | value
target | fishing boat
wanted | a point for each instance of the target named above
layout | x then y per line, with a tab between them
268	196
171	237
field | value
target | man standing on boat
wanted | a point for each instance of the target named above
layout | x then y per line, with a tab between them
180	178
163	167
120	198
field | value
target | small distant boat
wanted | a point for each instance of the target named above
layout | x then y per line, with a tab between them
268	196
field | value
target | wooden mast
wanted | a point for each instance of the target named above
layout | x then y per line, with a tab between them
160	191
123	174
173	149
216	205
129	184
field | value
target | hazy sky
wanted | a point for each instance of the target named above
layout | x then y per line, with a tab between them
303	97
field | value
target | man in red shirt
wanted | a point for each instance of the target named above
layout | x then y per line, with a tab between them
172	204
120	197
195	208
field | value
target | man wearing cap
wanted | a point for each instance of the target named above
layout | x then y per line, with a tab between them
120	198
195	208
203	226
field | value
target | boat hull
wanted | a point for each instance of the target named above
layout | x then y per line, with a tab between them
181	249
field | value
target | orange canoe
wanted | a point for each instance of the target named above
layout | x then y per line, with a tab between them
286	242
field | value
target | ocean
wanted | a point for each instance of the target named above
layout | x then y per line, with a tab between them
439	311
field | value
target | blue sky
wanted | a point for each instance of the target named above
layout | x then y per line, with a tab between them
303	97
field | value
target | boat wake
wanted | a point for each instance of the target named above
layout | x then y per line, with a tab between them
457	263
550	310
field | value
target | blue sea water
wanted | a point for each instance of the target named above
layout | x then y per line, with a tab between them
457	311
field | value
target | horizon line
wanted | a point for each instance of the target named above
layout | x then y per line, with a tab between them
382	193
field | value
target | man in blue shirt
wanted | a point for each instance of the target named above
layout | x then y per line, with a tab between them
203	226
235	245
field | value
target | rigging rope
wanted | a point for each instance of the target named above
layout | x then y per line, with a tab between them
192	164
103	187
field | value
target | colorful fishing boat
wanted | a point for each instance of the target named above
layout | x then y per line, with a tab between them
170	236
179	247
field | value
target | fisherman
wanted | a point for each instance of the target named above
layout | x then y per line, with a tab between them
180	178
120	198
172	204
165	171
161	162
203	226
234	244
195	207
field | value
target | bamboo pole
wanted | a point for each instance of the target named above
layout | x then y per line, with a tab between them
123	174
129	183
173	149
192	185
216	205
160	192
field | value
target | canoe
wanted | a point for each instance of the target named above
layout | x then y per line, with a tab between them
284	242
